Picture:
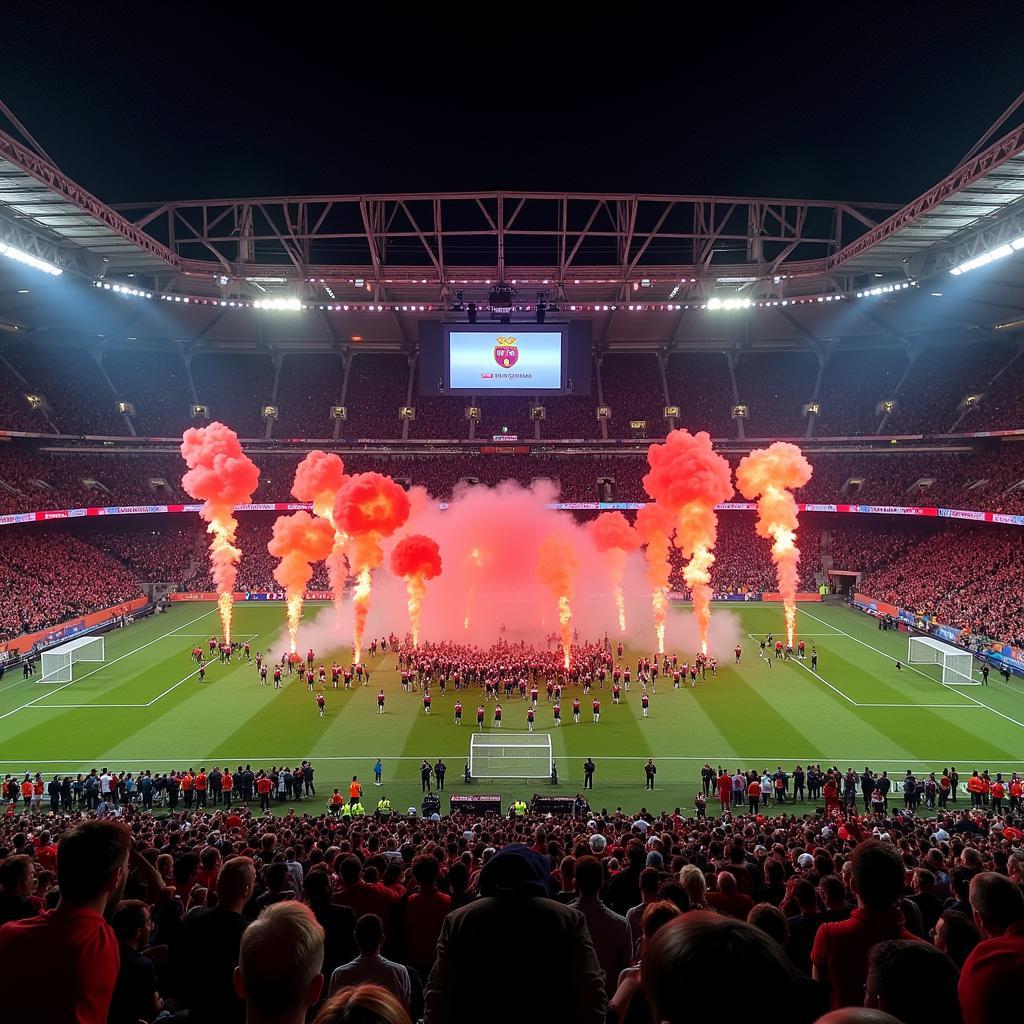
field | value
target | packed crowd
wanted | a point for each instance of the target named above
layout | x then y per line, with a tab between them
652	916
987	480
82	393
44	583
971	580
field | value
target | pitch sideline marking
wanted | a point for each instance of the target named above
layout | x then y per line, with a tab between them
925	675
127	654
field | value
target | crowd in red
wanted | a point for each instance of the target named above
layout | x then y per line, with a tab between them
649	916
971	579
987	480
47	579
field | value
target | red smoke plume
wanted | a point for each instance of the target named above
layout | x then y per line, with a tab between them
769	474
318	478
298	540
555	569
221	476
368	508
615	538
417	558
689	478
654	526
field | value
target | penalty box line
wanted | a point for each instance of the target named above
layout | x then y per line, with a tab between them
857	704
864	643
146	704
127	654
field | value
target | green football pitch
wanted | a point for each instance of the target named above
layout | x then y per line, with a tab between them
143	707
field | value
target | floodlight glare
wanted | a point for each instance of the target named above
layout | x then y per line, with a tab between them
29	260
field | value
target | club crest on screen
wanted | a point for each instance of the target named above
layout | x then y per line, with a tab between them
506	352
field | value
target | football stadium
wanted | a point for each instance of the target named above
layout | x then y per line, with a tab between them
629	581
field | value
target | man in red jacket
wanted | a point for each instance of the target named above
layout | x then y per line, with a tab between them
990	979
92	865
841	948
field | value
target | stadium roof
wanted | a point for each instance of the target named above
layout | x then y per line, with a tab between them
642	266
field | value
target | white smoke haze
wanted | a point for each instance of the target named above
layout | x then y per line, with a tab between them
490	539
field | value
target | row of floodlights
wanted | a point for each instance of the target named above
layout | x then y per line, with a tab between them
983	259
20	256
883	289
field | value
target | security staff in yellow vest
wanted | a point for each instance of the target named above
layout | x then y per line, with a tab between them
384	808
358	810
519	809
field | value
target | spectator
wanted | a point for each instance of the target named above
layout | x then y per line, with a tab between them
363	1004
338	922
840	953
956	935
92	865
17	883
209	994
930	995
278	973
608	931
990	979
420	916
693	964
135	994
362	897
370	968
728	900
513	905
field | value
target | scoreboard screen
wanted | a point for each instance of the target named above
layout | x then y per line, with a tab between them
510	358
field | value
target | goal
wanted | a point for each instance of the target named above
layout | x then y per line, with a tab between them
514	756
58	662
957	665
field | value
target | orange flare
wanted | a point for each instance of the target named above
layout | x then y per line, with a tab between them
769	475
555	569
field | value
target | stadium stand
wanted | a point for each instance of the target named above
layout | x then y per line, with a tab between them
854	382
990	480
234	388
775	387
377	387
573	416
79	393
309	384
700	383
157	386
634	390
46	579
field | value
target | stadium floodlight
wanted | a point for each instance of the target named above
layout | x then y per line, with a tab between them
288	305
984	258
716	303
29	260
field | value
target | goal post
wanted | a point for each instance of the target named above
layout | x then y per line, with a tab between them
957	665
58	662
512	756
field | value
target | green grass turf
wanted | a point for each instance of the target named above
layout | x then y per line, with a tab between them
142	708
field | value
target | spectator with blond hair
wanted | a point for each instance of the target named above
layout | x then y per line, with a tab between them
278	973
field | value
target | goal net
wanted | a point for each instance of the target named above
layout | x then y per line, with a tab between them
514	756
957	665
58	663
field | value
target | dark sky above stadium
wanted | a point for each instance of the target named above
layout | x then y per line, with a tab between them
147	101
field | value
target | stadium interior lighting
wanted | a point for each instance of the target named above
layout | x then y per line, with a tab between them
882	289
717	303
983	259
29	260
288	305
267	280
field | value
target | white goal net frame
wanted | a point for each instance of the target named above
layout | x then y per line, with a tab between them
957	665
511	756
57	664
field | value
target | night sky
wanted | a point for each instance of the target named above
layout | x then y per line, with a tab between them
148	102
